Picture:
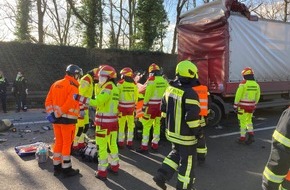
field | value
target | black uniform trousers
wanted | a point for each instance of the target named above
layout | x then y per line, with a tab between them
3	101
184	157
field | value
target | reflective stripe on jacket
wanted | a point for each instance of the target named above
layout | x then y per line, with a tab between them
60	99
128	95
155	88
86	88
282	133
107	106
202	92
182	114
247	95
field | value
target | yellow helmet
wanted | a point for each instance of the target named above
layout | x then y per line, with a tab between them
186	69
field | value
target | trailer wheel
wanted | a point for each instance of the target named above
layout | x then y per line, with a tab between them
215	115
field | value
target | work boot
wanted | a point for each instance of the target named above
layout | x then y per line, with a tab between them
113	169
130	145
241	140
57	170
121	145
101	175
154	147
200	160
160	181
69	172
142	150
250	139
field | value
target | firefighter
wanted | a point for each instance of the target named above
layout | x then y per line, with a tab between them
246	98
204	98
155	88
106	121
128	98
276	173
86	89
63	112
180	107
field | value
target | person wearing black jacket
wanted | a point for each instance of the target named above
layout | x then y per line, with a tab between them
20	91
3	88
180	107
276	173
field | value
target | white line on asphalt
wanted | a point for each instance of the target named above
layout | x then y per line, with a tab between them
31	122
236	133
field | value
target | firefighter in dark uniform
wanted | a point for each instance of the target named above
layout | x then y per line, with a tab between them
275	173
180	107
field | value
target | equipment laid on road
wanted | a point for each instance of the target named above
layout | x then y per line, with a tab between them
90	153
41	153
27	150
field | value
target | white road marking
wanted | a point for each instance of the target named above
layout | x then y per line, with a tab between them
30	122
236	133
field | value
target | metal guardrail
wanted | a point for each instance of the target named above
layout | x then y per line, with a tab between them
35	99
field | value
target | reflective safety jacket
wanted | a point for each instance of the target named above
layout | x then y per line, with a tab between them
180	107
128	96
202	92
275	171
282	133
156	86
107	106
247	95
60	100
97	89
86	88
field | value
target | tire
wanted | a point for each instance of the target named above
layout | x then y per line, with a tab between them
215	115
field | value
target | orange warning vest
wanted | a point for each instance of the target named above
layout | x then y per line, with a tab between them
202	92
139	106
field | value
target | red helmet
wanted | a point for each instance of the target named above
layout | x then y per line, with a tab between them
153	67
247	71
108	71
127	72
96	72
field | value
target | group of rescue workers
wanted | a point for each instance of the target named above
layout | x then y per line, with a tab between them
181	105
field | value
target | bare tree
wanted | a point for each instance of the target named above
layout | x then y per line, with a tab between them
179	7
60	15
114	36
286	11
41	9
7	19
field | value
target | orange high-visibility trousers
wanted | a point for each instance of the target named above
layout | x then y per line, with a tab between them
64	135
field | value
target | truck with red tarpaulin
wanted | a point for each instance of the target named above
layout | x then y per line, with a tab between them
222	38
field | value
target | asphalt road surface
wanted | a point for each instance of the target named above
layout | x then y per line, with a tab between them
229	166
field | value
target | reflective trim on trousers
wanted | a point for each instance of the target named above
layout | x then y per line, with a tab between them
66	162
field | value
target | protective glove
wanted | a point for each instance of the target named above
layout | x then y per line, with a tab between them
26	91
82	114
51	117
81	99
